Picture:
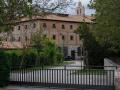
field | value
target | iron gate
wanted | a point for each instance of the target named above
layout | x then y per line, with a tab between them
98	79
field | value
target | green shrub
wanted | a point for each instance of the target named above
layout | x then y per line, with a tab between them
15	59
30	58
4	69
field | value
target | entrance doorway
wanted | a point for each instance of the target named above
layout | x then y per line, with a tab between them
73	54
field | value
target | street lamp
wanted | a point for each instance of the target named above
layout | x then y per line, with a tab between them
62	44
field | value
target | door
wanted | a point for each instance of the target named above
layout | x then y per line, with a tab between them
73	54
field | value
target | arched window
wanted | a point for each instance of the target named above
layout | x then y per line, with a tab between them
63	26
34	25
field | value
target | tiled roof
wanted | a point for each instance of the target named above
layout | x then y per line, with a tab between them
75	18
90	17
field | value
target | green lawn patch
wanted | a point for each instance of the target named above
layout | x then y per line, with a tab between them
90	72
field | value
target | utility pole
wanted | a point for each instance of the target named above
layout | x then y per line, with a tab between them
62	44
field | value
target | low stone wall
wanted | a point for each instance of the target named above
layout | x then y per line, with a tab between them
117	79
108	62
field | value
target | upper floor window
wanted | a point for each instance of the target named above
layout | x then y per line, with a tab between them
54	37
54	26
71	37
44	25
18	27
71	26
34	25
77	11
63	26
26	26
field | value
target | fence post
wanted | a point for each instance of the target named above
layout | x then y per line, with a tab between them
65	67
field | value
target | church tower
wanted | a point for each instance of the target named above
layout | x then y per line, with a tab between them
80	10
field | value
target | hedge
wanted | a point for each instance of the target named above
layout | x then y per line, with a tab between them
4	69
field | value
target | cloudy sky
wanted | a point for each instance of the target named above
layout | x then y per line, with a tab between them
84	3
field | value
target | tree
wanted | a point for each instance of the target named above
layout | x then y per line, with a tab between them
37	40
47	50
107	28
13	10
95	53
50	53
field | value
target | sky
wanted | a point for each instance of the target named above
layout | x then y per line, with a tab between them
84	3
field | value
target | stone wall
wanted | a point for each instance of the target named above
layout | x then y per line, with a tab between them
108	62
117	79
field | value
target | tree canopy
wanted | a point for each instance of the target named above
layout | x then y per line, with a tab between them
107	28
95	54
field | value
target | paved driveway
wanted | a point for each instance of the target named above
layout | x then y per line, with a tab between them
33	88
74	65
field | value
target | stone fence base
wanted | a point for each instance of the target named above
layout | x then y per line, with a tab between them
117	79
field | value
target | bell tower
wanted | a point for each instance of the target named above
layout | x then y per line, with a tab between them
80	10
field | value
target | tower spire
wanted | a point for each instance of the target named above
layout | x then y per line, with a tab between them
80	10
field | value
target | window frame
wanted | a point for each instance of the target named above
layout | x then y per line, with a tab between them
54	37
19	27
44	25
54	26
26	26
63	26
71	37
34	25
71	26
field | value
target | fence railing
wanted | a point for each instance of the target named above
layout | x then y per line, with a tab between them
74	76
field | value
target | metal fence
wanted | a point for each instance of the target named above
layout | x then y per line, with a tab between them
81	77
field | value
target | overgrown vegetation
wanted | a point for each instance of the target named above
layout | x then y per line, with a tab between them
107	27
4	69
95	54
48	55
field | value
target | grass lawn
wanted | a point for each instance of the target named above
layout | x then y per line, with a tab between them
90	72
56	65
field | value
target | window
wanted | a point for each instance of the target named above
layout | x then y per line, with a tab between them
44	25
63	37
71	37
34	25
18	27
19	39
71	26
26	26
63	26
54	37
77	11
54	26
